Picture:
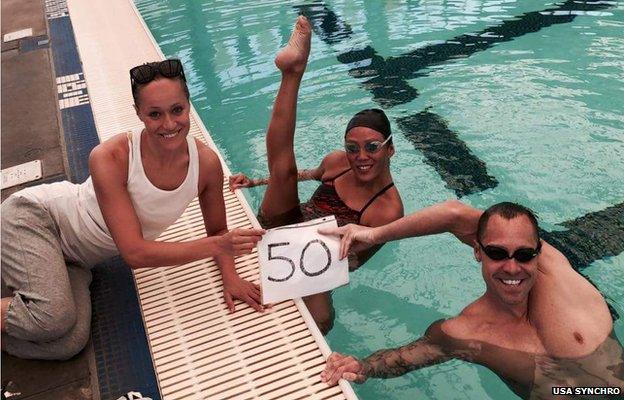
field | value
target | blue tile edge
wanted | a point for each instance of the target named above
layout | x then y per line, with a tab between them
122	357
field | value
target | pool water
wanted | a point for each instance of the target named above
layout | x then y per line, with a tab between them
524	99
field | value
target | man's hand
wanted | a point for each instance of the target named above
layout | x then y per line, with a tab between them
239	181
240	241
235	287
340	366
353	237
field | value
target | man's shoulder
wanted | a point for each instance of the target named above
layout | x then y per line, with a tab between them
464	325
560	291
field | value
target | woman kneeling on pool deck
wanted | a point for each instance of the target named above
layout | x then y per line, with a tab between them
140	184
356	184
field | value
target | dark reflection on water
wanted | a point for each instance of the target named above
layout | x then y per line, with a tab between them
462	171
388	76
411	64
591	237
325	23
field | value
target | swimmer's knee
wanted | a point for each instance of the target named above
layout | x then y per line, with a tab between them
325	322
56	326
283	173
67	346
322	310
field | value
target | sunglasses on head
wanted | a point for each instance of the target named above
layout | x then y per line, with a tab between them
146	73
521	255
369	147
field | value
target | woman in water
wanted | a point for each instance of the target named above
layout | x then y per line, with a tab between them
140	183
356	184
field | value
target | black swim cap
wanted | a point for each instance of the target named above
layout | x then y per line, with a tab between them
372	118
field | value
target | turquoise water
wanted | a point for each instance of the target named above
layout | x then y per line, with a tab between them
543	111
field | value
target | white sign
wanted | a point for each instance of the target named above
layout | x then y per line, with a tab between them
296	261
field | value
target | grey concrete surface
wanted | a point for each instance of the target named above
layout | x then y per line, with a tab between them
30	130
30	124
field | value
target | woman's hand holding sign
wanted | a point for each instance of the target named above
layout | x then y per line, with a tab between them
239	241
353	237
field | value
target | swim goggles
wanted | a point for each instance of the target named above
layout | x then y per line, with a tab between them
145	73
369	147
523	255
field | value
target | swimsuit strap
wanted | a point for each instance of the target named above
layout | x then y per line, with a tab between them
337	176
382	191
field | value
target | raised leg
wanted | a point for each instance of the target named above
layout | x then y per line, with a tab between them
281	194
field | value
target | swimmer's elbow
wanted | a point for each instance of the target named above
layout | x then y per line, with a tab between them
136	256
456	211
454	206
462	218
132	259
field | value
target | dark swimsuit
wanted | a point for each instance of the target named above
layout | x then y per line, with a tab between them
325	201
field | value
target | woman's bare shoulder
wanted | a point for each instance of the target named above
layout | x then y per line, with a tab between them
210	169
385	209
113	150
206	153
335	159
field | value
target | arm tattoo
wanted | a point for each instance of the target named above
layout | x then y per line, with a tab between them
391	363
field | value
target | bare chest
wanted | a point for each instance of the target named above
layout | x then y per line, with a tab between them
568	328
523	339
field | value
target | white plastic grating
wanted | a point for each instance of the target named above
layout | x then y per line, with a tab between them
199	350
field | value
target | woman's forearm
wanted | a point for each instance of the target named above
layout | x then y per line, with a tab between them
308	175
148	254
302	175
258	182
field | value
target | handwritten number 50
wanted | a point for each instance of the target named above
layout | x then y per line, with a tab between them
301	264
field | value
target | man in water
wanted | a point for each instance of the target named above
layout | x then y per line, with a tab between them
539	325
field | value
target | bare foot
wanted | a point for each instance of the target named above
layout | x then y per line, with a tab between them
294	56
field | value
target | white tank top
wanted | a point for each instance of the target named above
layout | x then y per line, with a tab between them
84	235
